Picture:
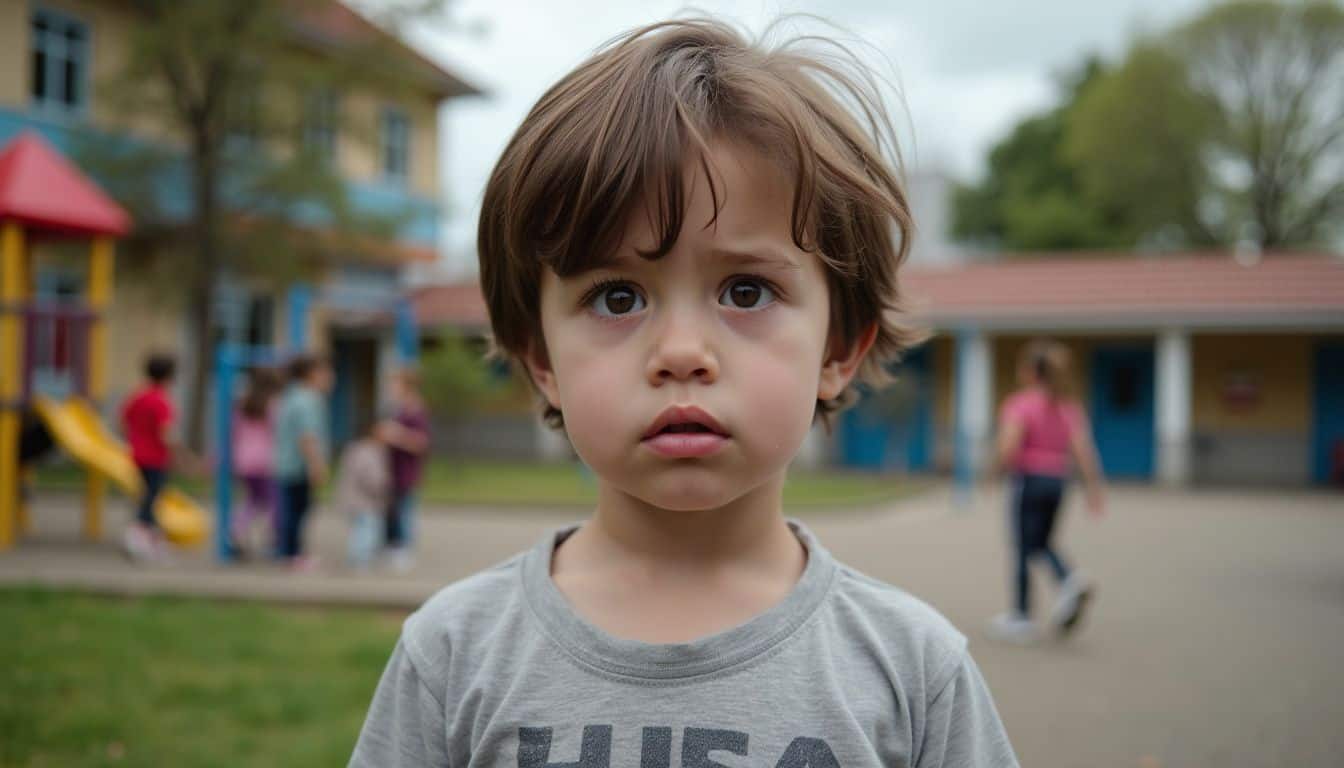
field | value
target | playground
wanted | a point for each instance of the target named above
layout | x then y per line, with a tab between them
54	371
1214	642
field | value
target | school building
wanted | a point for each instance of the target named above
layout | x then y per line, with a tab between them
56	56
1193	368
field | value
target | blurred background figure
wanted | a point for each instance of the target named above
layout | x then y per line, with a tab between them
406	432
147	418
301	447
254	461
363	484
1042	433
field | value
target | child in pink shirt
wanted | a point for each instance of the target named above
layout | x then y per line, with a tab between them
1042	433
253	457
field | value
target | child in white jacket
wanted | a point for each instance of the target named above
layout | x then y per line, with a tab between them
362	486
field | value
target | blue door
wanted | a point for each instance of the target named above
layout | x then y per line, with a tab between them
892	429
1122	408
1328	442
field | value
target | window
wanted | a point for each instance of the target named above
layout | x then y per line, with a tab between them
396	135
60	61
319	125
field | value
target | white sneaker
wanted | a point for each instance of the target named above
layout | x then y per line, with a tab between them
137	544
1013	628
1074	595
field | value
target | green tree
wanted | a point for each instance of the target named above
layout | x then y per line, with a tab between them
1227	127
1275	73
1032	197
1136	140
456	377
234	86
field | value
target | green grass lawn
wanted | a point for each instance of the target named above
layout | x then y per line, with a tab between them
90	681
449	482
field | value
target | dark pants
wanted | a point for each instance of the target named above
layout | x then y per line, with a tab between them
1035	506
295	498
398	510
154	478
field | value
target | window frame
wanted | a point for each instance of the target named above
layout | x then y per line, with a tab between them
59	22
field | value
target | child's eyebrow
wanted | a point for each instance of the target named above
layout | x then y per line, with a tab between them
756	256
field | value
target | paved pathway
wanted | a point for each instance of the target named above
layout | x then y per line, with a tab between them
1218	638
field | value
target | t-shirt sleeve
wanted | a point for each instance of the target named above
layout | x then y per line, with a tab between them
310	417
962	728
405	725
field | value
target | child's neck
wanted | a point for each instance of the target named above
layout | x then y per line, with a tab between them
750	528
662	576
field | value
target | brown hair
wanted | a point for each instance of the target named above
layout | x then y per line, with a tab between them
262	385
614	134
1049	362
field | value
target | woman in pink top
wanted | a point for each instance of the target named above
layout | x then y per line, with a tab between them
1043	432
253	450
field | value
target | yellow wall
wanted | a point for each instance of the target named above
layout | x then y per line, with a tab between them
1279	367
139	321
359	149
14	58
358	145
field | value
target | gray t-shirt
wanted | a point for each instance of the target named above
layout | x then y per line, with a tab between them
498	670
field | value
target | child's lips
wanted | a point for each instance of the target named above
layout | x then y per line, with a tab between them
685	432
685	445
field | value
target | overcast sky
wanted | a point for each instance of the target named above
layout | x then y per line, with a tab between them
966	69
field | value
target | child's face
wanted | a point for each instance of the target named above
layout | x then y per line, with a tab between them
733	322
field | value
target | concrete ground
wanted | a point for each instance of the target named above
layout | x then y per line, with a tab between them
1217	639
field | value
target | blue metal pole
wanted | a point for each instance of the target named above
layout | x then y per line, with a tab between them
408	337
299	301
226	366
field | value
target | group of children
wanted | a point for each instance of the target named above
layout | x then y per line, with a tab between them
279	449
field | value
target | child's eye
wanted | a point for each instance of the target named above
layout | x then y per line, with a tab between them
616	300
747	293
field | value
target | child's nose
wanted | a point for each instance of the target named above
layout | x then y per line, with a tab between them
682	351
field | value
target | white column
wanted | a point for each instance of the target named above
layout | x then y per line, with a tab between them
975	405
1173	406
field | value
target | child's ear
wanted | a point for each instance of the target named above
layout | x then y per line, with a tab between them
839	369
538	364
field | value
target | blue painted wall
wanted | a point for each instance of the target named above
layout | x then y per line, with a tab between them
871	439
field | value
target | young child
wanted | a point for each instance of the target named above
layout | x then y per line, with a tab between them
691	245
254	457
1043	433
146	419
407	435
300	452
363	481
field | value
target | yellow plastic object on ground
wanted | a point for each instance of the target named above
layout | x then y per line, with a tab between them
75	426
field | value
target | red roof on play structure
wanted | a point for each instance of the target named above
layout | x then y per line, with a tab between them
44	191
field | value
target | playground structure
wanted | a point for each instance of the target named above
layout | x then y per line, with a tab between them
44	198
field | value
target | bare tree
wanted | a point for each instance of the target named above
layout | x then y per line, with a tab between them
1275	71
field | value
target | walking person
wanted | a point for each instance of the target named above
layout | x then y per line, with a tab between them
301	440
1043	431
254	459
407	435
147	419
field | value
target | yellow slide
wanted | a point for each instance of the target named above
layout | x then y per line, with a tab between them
75	426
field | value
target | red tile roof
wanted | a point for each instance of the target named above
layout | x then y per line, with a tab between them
335	24
459	305
1065	291
1133	290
